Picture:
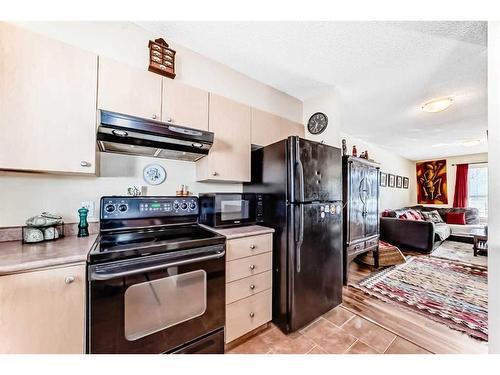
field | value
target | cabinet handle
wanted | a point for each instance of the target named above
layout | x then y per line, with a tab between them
252	286
153	117
84	163
252	315
252	266
252	247
170	119
69	279
214	174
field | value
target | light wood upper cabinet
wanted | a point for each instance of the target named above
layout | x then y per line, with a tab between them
184	105
289	128
266	127
47	104
229	157
43	311
129	90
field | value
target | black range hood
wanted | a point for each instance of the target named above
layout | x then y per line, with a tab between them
124	134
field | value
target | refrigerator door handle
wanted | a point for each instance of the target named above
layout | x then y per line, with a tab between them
300	239
298	162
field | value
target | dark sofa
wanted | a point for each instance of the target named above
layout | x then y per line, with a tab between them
422	236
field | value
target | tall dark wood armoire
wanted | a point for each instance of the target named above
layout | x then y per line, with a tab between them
361	204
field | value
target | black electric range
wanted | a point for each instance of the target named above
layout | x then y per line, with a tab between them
156	279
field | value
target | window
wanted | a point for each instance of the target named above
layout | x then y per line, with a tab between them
478	188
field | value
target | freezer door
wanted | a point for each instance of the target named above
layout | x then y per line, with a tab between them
316	171
315	262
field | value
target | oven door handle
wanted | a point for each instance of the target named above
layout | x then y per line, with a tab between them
97	275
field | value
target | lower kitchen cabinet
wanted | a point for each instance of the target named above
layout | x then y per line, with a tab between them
248	284
43	311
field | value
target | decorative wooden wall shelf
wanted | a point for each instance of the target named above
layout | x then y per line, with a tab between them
161	58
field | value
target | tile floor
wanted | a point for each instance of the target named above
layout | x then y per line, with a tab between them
337	332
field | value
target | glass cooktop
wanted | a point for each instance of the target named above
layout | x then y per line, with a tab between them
122	244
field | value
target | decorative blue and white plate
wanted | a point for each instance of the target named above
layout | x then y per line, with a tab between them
154	174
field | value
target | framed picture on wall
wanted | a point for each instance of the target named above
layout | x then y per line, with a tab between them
399	182
391	182
383	179
406	182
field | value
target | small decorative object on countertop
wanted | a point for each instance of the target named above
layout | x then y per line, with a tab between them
183	192
344	147
161	58
44	227
354	151
362	156
83	225
366	155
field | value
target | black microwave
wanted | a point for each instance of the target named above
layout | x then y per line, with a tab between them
221	210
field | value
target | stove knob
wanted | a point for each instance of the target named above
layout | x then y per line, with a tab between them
176	206
184	205
122	208
192	205
110	208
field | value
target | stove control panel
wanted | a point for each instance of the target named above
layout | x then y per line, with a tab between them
145	207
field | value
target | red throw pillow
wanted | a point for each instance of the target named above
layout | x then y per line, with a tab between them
415	215
455	218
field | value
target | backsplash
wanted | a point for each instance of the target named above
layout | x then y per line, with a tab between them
23	195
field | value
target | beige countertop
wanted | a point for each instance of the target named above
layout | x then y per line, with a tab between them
238	232
18	257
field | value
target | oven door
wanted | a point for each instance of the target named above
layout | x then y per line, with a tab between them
235	209
156	303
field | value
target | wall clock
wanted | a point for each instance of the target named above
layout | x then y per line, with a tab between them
317	123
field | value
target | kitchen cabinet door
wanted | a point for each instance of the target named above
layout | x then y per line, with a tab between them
229	157
47	104
289	128
266	128
43	311
184	105
128	90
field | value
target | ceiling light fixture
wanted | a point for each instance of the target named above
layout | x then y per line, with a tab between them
472	142
437	105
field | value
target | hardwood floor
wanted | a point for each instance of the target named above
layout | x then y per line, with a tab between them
432	336
364	324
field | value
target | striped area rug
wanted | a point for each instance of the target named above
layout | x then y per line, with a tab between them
447	291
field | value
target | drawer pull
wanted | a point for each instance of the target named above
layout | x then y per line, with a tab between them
252	247
252	267
69	279
252	315
252	287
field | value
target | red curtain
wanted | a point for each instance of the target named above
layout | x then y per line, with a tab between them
461	186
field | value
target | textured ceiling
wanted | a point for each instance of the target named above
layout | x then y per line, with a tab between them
382	72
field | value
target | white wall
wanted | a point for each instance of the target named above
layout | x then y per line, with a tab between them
390	198
329	103
494	186
451	174
24	194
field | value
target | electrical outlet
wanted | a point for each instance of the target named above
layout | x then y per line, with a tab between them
89	205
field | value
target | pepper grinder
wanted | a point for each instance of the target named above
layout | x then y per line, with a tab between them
83	225
344	147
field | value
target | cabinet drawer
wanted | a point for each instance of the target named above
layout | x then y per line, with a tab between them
248	286
371	243
244	267
247	314
248	246
357	248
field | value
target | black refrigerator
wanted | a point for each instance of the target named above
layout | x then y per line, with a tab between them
301	186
